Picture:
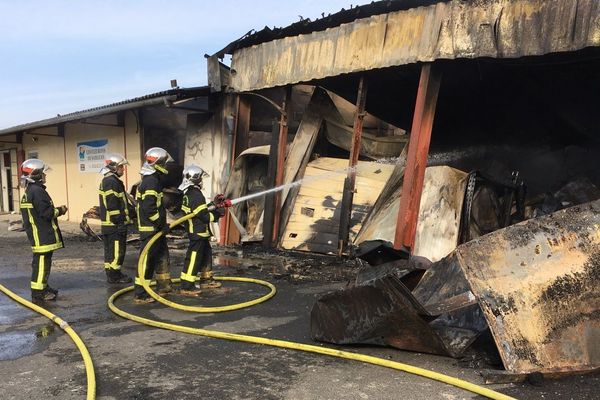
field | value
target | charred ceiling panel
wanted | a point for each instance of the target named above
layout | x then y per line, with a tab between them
458	29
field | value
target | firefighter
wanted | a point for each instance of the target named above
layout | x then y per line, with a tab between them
41	224
199	253
152	218
115	216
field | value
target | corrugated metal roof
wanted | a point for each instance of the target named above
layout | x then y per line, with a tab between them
146	100
445	30
305	25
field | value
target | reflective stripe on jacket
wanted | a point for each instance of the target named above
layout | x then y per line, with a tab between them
114	208
195	203
39	219
151	214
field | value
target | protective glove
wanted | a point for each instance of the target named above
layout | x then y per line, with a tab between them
218	200
218	212
165	229
62	210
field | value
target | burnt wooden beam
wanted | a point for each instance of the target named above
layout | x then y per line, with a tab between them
242	126
281	149
269	212
241	130
416	161
350	181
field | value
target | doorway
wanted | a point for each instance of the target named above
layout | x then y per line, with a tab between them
6	199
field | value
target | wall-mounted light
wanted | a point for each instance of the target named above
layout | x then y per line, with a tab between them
34	139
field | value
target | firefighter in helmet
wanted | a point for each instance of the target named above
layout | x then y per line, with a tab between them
41	224
115	216
152	218
199	253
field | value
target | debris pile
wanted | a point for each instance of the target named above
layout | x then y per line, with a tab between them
533	285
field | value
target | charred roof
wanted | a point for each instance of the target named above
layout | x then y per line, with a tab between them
306	25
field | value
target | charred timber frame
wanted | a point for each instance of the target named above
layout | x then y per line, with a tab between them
282	143
269	209
350	181
416	160
241	130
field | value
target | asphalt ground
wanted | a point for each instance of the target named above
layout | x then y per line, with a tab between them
133	361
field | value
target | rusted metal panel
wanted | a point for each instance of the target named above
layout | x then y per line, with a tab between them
537	284
450	30
416	160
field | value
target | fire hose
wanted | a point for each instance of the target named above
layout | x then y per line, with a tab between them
91	380
273	342
87	360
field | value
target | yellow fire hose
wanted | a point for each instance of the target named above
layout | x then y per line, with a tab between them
87	360
275	342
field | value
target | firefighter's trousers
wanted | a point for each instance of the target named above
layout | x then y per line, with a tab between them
115	244
157	260
40	270
197	258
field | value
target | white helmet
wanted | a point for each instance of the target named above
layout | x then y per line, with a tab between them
112	162
33	170
156	159
192	176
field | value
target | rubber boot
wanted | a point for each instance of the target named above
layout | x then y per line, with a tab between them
42	295
207	281
189	289
52	290
162	275
143	299
116	276
163	283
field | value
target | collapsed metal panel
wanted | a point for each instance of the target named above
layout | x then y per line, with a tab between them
537	284
457	29
438	221
378	312
379	139
370	145
440	316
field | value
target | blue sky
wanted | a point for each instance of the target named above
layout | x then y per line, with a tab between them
60	56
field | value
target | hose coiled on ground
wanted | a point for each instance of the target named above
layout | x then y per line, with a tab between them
275	342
